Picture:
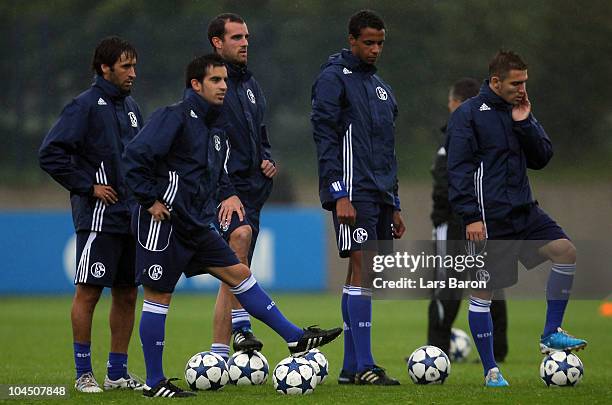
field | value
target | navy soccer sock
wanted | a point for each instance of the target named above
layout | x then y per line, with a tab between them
359	305
82	358
260	305
558	291
481	325
220	349
152	335
116	367
350	361
240	319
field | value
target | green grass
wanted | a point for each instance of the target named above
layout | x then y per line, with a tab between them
36	349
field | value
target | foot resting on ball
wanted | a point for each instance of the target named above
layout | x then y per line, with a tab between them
561	341
245	341
313	337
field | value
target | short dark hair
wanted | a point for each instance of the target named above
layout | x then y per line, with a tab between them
364	19
108	52
197	68
216	28
503	62
464	88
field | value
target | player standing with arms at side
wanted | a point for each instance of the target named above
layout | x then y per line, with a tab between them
353	115
174	167
250	168
492	140
82	152
445	303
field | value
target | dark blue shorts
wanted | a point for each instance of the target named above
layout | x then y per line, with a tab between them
105	259
162	255
373	223
514	239
531	223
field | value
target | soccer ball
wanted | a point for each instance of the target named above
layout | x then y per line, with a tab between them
428	365
206	371
294	376
319	363
561	369
247	368
460	345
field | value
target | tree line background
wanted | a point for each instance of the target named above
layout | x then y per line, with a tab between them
47	48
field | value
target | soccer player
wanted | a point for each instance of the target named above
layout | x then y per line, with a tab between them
353	114
173	167
82	152
250	168
492	140
445	302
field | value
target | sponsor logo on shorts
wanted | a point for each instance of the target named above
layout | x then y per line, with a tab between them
155	272
360	235
381	93
217	142
251	96
97	270
483	275
225	226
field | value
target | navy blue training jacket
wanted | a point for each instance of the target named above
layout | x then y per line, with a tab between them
353	118
244	107
488	157
84	148
178	159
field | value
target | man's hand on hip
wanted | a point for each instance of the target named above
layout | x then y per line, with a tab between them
107	194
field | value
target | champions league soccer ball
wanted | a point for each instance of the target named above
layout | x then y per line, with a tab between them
460	345
561	369
247	368
319	363
206	371
428	365
294	376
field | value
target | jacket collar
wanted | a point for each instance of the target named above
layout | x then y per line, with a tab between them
208	112
238	72
492	98
109	89
354	63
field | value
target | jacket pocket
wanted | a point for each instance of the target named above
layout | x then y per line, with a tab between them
153	235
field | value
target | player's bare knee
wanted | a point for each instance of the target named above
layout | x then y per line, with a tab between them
482	294
87	296
125	296
569	254
240	239
156	296
237	274
561	251
243	272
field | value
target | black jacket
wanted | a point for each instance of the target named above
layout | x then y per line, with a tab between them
353	120
178	158
84	148
488	158
441	211
243	121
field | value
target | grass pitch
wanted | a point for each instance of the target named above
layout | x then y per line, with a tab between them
36	343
